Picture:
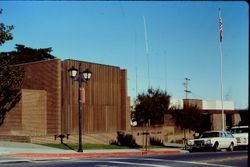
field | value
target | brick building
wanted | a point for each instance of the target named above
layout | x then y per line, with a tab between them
214	110
49	104
169	132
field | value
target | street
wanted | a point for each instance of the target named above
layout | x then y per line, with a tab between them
199	159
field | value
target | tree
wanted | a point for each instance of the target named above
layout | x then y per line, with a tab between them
5	32
11	79
190	117
151	107
11	76
25	54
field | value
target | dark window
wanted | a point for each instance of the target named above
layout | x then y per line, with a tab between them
210	134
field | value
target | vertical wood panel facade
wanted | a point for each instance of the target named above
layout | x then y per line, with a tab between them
105	105
45	75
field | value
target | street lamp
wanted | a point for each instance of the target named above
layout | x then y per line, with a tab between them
82	77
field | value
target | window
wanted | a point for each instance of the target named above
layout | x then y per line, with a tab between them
229	135
239	130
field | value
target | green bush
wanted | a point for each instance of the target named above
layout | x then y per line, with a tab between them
125	140
156	142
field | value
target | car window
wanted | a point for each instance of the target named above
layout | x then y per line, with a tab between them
223	134
229	135
210	134
239	130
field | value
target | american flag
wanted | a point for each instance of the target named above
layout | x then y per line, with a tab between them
221	29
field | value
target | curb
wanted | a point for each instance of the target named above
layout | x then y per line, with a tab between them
90	155
13	161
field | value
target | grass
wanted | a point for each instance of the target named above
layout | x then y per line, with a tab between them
88	146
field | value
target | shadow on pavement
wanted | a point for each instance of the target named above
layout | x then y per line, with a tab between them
66	145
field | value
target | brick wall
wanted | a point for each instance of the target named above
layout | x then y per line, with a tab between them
28	117
46	75
13	121
34	109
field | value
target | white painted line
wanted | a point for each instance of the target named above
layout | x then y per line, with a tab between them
105	166
113	161
187	162
138	164
124	163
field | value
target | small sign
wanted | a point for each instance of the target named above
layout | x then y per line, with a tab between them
82	95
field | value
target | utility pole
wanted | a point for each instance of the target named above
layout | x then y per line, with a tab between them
186	91
186	87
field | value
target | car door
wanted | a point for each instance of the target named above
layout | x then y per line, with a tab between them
228	139
224	140
231	138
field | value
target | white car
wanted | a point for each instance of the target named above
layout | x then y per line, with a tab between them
213	140
241	135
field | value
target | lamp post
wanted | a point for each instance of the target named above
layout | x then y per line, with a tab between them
81	78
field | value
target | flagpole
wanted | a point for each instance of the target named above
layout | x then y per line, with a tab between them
221	71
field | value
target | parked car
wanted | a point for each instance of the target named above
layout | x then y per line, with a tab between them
213	141
241	135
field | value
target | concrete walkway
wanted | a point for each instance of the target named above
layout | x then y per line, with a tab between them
10	151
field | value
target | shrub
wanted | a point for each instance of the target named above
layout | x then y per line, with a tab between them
125	140
156	142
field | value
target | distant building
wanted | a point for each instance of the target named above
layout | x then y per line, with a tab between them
178	103
170	133
214	110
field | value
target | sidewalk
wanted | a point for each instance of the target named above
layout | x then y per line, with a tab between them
26	151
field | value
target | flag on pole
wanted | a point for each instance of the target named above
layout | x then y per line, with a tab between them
220	27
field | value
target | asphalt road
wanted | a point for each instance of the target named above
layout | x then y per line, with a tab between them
198	159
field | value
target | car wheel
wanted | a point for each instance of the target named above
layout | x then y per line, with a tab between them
215	147
231	147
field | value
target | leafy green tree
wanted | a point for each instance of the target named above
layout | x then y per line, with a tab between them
11	77
151	107
5	32
25	54
191	118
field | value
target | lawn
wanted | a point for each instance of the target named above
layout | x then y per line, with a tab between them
88	146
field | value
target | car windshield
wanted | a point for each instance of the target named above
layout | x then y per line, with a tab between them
210	134
239	130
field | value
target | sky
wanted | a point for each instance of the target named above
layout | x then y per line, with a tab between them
159	43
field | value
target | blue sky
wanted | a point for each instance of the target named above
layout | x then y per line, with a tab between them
182	37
